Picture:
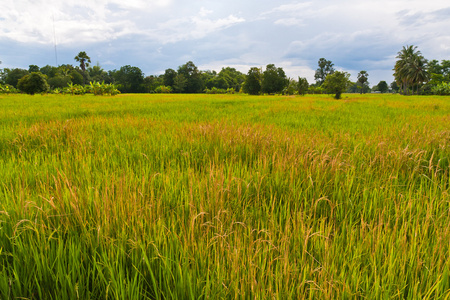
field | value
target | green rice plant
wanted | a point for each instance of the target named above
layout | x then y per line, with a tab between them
170	196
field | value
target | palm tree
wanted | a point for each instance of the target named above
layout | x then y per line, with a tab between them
418	71
401	68
362	78
83	59
410	68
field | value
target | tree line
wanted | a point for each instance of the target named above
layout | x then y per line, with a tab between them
412	72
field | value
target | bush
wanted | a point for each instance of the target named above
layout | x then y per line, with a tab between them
162	89
315	90
215	90
103	88
441	89
34	83
75	89
7	89
95	88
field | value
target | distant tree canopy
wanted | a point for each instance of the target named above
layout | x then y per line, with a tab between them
192	76
363	77
129	79
12	76
227	78
252	84
274	80
383	86
325	68
96	73
394	87
169	77
413	74
33	68
303	85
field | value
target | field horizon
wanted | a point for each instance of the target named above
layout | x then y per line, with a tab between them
163	196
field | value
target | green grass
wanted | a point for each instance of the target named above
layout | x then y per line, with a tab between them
224	196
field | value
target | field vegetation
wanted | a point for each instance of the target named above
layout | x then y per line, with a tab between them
172	196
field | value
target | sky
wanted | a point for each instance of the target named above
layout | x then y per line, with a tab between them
155	35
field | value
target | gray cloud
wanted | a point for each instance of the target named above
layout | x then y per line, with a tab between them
160	34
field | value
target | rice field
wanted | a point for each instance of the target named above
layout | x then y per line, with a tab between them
224	197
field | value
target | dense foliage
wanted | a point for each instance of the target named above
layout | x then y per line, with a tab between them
413	75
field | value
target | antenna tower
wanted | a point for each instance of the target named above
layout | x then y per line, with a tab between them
54	40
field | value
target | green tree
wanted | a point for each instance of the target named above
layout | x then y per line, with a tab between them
33	83
291	88
363	77
394	86
252	83
59	81
98	74
410	69
383	86
445	67
325	69
152	82
418	72
194	82
302	86
213	80
179	84
13	76
232	77
274	80
169	77
50	71
434	67
33	68
130	79
76	77
337	83
83	59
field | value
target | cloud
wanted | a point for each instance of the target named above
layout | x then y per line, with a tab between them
188	28
290	22
155	35
85	22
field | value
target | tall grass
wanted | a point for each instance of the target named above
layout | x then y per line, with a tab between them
224	196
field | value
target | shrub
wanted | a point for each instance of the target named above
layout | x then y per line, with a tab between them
95	88
7	89
315	90
34	83
162	89
75	89
441	89
215	90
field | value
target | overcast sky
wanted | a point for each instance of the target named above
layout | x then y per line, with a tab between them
158	34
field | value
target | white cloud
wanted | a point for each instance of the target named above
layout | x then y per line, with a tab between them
290	22
293	34
204	12
188	28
